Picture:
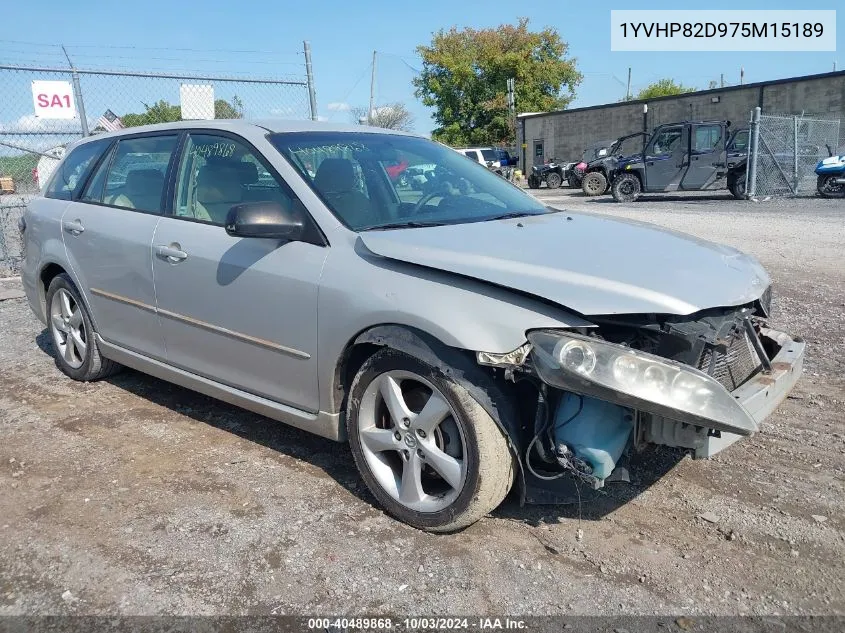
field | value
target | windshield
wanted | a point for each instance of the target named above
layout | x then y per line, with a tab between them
372	181
629	145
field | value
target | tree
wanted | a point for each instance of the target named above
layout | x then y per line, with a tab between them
465	73
163	112
663	88
393	116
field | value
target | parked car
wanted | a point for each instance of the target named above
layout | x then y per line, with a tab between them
464	341
687	156
487	156
831	174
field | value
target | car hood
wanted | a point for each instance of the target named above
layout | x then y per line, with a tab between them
590	264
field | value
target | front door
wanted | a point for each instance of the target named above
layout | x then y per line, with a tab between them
708	158
240	311
108	233
539	153
665	159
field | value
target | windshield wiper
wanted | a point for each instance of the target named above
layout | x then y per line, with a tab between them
408	224
516	214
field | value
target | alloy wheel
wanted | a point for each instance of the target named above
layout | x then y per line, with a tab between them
412	442
68	328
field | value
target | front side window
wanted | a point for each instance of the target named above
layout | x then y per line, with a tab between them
707	137
136	176
667	141
740	142
350	174
219	172
69	178
489	154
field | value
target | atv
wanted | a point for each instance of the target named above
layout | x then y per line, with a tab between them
552	173
597	173
599	149
831	174
687	156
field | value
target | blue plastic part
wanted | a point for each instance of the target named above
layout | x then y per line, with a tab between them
597	435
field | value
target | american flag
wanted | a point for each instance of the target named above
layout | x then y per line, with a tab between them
110	121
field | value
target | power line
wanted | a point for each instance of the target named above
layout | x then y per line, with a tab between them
152	48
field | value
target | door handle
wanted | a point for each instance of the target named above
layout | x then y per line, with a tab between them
172	253
73	227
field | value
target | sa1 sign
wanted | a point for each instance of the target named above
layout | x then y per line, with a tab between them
53	100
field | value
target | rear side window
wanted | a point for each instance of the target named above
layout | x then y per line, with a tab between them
489	154
136	176
70	176
707	137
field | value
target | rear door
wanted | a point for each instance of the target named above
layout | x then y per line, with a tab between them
240	311
108	233
665	158
708	158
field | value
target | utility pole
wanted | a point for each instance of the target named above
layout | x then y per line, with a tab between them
512	103
312	95
77	91
628	89
741	75
722	80
372	91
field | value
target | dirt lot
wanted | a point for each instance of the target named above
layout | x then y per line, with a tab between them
133	496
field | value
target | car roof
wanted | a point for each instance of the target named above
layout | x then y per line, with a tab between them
243	126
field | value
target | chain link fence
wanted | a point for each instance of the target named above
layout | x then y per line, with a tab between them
30	147
786	152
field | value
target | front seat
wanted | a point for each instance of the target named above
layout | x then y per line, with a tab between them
335	181
218	190
142	190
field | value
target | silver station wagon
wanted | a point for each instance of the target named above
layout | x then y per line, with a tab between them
465	340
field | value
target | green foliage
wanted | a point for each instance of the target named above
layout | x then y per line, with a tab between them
18	167
465	73
663	88
163	112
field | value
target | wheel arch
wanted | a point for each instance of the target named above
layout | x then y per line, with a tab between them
458	364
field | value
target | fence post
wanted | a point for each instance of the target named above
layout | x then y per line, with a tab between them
77	94
795	176
751	191
312	95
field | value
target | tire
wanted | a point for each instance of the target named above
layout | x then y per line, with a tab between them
465	443
553	180
73	335
533	182
574	181
594	183
626	188
737	187
829	189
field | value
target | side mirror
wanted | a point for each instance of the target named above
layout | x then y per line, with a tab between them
265	219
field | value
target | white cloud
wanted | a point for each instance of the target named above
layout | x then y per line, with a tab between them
338	106
282	111
320	117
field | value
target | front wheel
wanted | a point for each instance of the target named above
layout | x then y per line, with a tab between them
626	188
574	181
594	183
553	180
829	188
430	454
533	182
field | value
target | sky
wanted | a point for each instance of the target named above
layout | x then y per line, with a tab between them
265	40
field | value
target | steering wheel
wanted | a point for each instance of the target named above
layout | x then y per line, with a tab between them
429	196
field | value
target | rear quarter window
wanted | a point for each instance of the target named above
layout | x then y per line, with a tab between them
68	179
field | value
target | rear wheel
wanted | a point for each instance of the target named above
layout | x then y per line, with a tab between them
626	188
553	180
737	187
430	454
829	188
574	181
533	182
72	333
594	183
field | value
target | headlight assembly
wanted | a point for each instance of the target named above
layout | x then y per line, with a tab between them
616	373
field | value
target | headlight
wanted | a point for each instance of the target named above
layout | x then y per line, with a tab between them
636	379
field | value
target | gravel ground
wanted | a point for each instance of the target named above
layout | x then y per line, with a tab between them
133	496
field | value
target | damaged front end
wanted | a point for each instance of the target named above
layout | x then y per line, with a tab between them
698	382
